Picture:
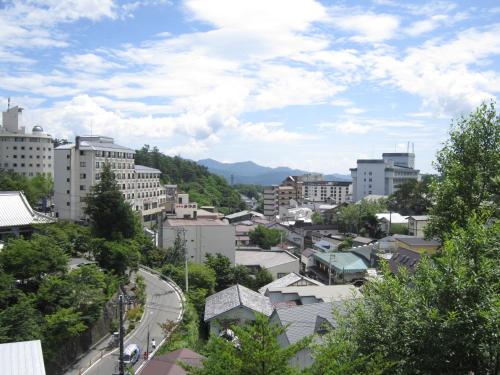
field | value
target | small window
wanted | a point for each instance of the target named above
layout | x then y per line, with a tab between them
82	187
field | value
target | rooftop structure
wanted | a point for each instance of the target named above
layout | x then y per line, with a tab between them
235	297
169	364
342	262
404	258
313	293
292	279
278	262
22	358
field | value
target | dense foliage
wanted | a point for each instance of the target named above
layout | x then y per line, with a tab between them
443	318
469	165
250	191
265	237
205	188
35	188
41	299
412	197
360	217
257	353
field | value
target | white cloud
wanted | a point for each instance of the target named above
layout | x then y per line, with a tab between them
354	110
367	27
271	132
346	127
88	62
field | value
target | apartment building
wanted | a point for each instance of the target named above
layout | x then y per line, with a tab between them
78	166
270	195
382	176
29	154
336	192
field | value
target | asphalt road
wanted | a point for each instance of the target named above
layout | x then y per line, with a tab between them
162	303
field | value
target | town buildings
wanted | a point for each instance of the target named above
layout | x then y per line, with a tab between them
28	154
382	176
78	166
270	195
278	262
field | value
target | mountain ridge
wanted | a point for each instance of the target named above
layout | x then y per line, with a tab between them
249	172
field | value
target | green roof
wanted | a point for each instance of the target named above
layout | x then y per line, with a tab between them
342	262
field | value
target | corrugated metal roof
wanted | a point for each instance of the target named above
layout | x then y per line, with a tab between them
22	358
265	258
16	211
235	296
327	293
342	262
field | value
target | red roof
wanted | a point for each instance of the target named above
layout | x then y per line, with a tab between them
167	364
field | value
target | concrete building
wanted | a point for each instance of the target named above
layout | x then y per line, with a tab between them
203	232
336	192
382	176
29	154
279	263
78	167
270	195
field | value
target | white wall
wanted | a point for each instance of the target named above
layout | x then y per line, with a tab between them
241	314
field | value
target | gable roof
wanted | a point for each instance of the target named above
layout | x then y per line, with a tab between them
16	211
22	358
304	320
418	241
288	280
393	217
404	258
236	296
167	364
264	258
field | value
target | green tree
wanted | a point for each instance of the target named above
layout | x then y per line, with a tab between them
176	254
265	237
317	218
111	217
262	277
469	168
30	260
224	270
441	320
20	321
258	353
412	197
243	276
116	256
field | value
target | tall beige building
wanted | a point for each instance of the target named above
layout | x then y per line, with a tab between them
78	166
29	154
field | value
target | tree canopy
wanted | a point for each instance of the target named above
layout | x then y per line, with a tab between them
412	197
265	237
469	165
203	187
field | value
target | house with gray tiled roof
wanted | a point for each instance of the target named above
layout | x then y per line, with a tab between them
301	322
234	305
292	279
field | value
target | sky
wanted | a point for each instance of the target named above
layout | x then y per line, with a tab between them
307	84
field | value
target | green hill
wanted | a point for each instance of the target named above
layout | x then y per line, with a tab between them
205	188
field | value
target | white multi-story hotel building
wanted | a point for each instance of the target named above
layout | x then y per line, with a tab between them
78	166
336	192
29	154
382	176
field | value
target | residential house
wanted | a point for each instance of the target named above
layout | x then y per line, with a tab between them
418	244
278	262
339	267
170	363
303	321
292	279
404	258
281	297
234	305
417	224
360	241
391	220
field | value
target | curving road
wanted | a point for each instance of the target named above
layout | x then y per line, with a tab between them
162	303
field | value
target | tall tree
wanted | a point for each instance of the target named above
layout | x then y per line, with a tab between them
469	165
111	217
258	352
412	197
265	237
224	270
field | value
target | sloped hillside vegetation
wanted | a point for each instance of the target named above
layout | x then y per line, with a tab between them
205	188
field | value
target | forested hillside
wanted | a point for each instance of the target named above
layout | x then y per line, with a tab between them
205	188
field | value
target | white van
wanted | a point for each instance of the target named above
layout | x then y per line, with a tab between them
131	354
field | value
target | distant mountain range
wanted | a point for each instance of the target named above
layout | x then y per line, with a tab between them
248	172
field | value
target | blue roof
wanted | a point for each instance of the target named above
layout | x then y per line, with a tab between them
342	262
324	245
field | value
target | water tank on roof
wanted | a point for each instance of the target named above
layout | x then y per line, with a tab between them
37	129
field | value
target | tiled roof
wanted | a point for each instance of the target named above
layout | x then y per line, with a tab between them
236	296
404	258
301	321
326	293
16	211
418	241
343	262
22	358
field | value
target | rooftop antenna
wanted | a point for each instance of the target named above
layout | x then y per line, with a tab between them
8	103
412	148
408	147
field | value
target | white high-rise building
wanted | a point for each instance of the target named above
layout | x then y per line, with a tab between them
382	176
78	166
29	154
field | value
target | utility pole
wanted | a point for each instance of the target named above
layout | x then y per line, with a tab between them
147	345
121	364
